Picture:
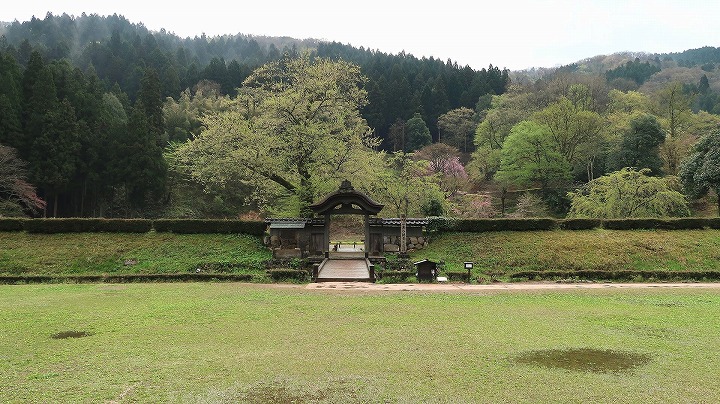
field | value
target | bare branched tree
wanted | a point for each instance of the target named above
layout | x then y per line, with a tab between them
13	181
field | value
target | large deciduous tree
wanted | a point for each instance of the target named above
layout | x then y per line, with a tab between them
531	158
571	125
457	127
405	188
700	172
295	130
628	193
673	106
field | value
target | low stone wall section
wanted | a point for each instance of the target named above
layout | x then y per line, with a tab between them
392	243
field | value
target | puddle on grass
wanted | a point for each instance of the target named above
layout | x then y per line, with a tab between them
341	390
71	334
585	359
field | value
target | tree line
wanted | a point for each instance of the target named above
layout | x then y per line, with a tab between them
119	52
424	137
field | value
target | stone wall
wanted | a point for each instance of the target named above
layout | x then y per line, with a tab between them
392	243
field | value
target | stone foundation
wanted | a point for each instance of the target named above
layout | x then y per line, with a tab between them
287	253
392	243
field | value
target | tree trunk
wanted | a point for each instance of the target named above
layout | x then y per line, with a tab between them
82	198
502	201
55	205
305	194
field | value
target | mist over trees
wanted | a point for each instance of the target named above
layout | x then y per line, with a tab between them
103	117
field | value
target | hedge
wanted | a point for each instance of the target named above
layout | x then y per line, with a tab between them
11	224
443	224
687	223
623	275
257	228
580	224
188	226
83	225
482	225
129	278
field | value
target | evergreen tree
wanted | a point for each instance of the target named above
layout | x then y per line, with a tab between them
55	151
10	101
41	100
151	101
639	147
417	133
140	167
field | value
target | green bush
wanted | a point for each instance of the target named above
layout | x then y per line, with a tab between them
195	226
128	278
85	225
441	224
687	223
11	224
580	224
713	223
619	275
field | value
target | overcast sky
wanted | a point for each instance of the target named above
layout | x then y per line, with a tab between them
516	34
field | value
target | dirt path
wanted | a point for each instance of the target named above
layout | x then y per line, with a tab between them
459	287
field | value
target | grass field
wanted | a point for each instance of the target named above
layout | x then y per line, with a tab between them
203	342
508	252
97	253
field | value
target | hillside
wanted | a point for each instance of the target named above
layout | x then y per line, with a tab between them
117	50
97	112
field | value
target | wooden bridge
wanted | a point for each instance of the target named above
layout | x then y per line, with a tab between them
345	266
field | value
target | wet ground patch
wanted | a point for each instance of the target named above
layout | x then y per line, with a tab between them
585	359
340	390
70	334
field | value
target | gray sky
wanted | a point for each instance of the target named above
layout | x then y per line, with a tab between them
514	34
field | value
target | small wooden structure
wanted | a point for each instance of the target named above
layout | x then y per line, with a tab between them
426	270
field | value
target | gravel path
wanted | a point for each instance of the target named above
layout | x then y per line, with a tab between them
459	287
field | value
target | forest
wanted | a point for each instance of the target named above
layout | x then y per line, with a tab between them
100	117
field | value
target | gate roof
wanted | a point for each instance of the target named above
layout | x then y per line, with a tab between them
346	197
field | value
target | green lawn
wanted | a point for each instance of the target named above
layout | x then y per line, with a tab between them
251	343
508	252
98	253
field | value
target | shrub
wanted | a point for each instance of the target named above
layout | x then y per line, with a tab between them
656	223
11	224
84	225
713	223
483	225
580	224
619	275
128	278
442	224
194	226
